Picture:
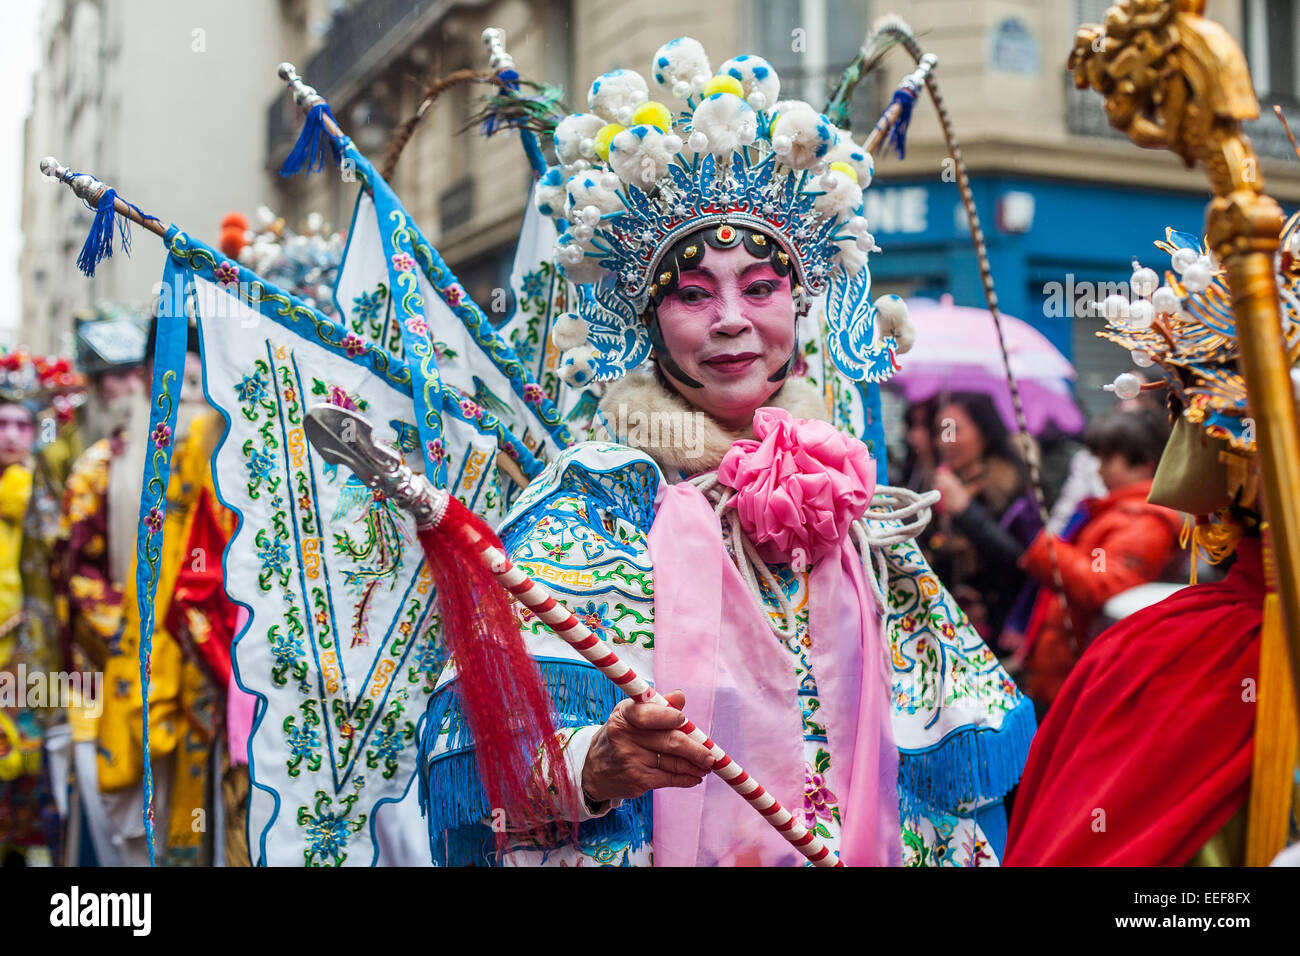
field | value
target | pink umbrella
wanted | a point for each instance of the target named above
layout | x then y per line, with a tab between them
957	350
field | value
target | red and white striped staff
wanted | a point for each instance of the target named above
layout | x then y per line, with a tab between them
344	437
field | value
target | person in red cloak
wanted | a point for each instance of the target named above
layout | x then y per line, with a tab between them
1146	754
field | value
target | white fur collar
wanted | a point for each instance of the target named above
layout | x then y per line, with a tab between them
641	413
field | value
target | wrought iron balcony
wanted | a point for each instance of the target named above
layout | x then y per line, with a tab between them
361	42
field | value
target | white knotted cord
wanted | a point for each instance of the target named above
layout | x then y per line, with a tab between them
910	509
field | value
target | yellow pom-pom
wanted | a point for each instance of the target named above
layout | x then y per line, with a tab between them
724	84
846	169
654	114
604	136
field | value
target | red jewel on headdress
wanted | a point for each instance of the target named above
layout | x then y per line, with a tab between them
726	233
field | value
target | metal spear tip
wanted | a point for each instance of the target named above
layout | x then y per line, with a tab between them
345	437
288	72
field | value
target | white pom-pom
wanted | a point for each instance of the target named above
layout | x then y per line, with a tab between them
1126	386
810	135
891	319
852	257
673	143
578	366
1115	308
1180	259
1144	281
756	77
1197	277
640	156
550	194
614	91
570	331
728	122
623	115
840	194
847	151
575	135
1141	314
1165	300
580	268
591	189
677	63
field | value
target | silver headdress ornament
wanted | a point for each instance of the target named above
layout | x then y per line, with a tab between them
635	177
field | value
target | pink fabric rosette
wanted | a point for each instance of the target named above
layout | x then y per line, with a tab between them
799	486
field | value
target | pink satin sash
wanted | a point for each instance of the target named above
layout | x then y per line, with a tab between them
712	640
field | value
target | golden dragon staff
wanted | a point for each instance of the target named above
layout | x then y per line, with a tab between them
1173	79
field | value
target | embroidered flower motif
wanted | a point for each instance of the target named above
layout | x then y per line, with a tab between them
454	294
154	520
251	389
534	393
227	274
596	617
470	409
403	262
365	307
534	285
354	345
162	436
817	798
336	396
416	326
798	486
436	450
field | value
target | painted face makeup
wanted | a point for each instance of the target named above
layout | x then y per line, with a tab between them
729	327
17	434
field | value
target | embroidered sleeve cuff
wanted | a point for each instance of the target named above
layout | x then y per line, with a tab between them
575	755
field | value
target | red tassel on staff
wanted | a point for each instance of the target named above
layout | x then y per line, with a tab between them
501	692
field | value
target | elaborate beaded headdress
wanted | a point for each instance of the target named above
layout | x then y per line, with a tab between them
1186	330
636	178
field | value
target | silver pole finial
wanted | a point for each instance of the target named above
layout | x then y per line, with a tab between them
305	96
83	185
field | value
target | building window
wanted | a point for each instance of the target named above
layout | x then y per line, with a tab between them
810	42
1271	35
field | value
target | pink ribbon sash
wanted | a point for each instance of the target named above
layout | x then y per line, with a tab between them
713	642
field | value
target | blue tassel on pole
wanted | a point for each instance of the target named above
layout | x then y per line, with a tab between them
309	152
905	97
99	242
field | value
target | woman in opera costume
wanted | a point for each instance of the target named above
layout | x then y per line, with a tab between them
723	535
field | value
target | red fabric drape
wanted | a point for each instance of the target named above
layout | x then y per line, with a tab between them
1146	752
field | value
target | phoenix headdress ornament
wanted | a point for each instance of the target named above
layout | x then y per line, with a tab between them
635	177
1186	330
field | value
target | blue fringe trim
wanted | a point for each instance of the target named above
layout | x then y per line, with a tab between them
99	241
905	97
968	764
451	794
309	152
